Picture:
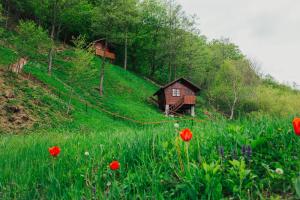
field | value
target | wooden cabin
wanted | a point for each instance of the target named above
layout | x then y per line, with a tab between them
99	50
177	96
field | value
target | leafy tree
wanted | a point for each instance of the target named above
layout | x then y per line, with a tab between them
128	20
32	39
76	20
104	25
53	14
148	48
82	60
233	84
2	19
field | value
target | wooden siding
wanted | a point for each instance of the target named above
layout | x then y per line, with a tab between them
100	52
189	100
184	91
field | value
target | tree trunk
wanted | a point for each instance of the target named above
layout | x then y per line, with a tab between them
153	68
170	70
233	106
174	71
50	60
69	102
125	50
7	14
59	29
50	55
102	71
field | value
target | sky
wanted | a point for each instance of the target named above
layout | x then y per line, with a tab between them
267	31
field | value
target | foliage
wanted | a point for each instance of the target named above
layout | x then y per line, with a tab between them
157	39
153	172
32	39
2	19
82	61
146	153
277	101
297	186
233	84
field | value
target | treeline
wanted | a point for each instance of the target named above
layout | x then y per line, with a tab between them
157	39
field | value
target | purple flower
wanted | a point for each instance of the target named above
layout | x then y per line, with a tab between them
249	152
221	151
244	149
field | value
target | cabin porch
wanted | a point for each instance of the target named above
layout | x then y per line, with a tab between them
183	104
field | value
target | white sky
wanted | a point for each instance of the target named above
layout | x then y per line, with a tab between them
265	30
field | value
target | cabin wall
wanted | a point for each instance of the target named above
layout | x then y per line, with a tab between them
99	47
161	100
184	91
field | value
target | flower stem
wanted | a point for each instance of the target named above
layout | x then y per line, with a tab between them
187	155
179	154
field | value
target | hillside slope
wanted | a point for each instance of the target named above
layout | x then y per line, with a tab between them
25	104
125	95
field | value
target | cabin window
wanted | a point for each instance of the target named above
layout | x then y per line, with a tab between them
175	92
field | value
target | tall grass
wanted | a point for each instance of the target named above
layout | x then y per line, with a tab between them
150	166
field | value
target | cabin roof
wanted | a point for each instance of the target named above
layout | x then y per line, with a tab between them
181	80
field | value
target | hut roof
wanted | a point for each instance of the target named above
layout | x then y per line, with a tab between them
182	81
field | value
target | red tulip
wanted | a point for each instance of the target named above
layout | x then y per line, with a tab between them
296	124
114	165
186	135
54	151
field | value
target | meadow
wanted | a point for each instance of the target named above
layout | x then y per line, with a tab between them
255	156
155	163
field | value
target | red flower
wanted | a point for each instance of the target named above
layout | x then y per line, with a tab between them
296	124
114	165
186	135
54	151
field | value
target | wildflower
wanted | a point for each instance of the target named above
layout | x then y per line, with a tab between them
249	151
54	151
279	171
244	149
176	125
114	165
296	124
221	151
186	135
86	153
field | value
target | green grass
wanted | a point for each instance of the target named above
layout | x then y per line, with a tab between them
150	155
150	166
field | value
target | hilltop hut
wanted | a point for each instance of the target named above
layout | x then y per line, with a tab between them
177	96
100	50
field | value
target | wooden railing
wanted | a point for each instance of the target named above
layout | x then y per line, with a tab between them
177	105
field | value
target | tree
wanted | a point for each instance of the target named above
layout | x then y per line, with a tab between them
128	20
233	83
76	20
2	19
149	38
32	39
51	14
82	62
104	25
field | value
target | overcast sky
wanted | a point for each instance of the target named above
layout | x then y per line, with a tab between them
265	30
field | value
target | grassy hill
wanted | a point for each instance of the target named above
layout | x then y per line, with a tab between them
225	159
126	94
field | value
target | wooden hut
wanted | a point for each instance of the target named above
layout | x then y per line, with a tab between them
177	96
99	50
